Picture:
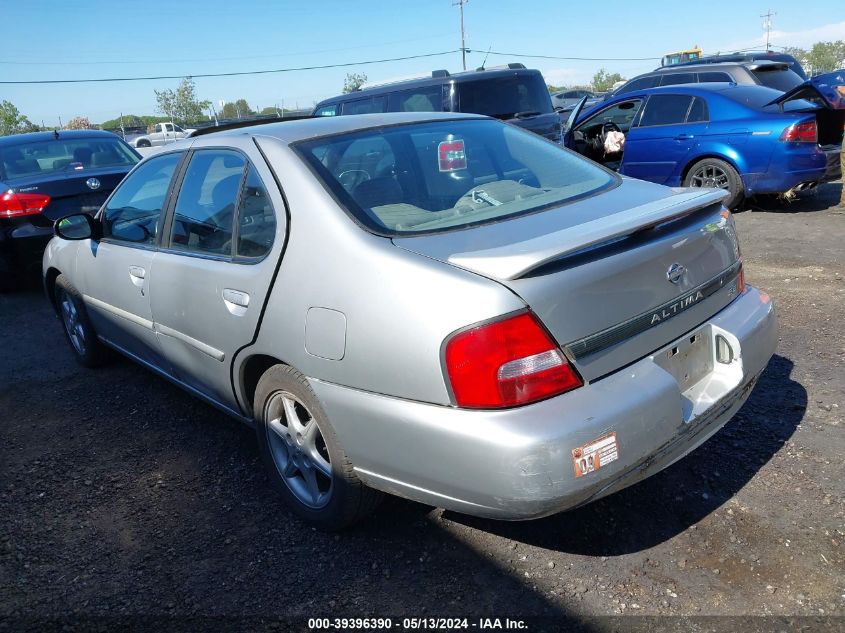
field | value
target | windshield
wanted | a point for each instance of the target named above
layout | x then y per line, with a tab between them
440	176
504	97
47	158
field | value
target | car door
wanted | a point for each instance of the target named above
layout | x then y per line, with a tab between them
212	270
667	130
115	271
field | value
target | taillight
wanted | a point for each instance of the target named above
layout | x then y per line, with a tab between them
806	132
740	282
14	204
505	364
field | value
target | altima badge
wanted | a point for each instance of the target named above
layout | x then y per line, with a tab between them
675	273
93	183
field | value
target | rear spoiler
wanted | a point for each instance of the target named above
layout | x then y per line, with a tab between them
515	260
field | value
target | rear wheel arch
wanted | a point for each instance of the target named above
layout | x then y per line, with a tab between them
251	371
730	160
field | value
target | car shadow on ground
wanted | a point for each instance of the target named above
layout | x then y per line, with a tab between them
668	503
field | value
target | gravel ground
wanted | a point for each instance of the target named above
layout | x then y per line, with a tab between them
123	497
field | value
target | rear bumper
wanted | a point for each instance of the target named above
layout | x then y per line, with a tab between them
518	463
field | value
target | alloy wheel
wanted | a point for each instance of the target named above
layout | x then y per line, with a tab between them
709	176
299	450
72	322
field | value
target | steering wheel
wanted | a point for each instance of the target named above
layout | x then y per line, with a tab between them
606	128
352	177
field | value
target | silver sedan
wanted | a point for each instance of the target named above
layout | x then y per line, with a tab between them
441	307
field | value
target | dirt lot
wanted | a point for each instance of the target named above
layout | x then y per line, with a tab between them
124	497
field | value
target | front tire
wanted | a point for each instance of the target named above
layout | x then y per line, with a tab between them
303	456
714	172
80	334
143	143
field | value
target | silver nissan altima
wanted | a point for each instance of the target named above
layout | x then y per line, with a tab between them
441	307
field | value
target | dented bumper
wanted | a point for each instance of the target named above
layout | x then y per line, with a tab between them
532	461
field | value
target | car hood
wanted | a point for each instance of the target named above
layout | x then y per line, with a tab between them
827	90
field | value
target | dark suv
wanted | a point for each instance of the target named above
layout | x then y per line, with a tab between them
513	93
772	74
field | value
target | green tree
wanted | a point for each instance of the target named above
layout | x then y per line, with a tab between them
78	123
181	105
353	82
236	109
270	110
12	121
603	81
823	57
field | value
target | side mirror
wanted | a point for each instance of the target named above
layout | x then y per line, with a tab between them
79	226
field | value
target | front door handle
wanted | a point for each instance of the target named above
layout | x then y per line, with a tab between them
137	275
236	301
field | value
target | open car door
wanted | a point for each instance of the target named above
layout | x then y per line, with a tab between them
570	123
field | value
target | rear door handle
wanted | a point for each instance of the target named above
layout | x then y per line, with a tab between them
137	275
684	137
236	301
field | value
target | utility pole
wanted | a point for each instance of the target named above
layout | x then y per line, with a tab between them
767	25
461	3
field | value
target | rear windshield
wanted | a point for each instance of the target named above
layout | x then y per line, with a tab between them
780	79
47	158
439	176
504	97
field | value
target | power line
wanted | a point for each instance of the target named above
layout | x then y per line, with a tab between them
230	74
581	59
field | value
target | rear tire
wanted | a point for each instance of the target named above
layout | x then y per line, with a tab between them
714	172
80	334
303	457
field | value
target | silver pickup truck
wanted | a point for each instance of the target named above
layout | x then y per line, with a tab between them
162	134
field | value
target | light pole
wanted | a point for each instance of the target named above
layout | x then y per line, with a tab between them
461	3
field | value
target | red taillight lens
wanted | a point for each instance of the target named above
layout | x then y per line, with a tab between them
740	282
806	132
451	156
505	364
13	204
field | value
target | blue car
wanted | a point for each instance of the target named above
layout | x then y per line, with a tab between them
745	139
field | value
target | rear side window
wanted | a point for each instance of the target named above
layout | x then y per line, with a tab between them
713	77
429	99
256	220
205	208
134	210
673	79
783	80
639	84
698	111
329	110
665	110
365	106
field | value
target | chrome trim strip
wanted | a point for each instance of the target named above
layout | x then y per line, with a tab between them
642	322
123	314
215	353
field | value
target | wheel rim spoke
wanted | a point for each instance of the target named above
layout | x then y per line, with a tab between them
311	486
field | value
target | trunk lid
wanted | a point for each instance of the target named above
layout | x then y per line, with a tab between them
69	191
613	277
827	90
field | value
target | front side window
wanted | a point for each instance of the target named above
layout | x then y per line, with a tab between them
205	207
439	176
622	115
134	211
665	110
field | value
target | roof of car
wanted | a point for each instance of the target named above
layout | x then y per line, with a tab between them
308	128
430	80
691	66
31	137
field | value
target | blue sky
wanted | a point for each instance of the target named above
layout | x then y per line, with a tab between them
87	39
